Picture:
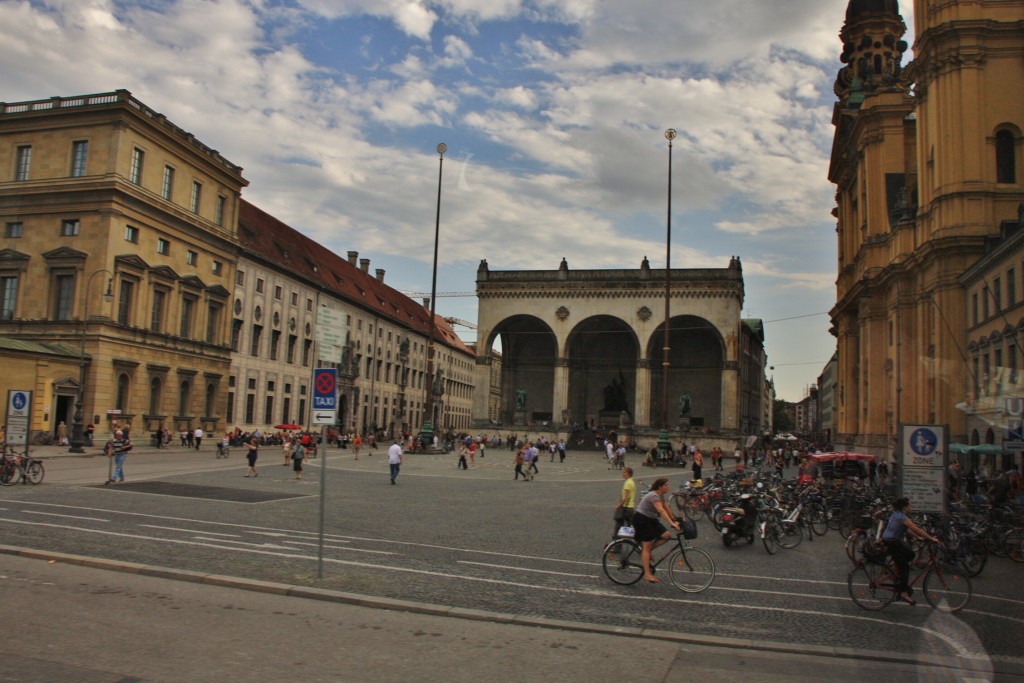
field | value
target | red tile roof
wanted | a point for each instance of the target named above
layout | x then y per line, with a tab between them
280	246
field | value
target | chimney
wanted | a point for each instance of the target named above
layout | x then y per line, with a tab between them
352	256
426	302
364	265
380	275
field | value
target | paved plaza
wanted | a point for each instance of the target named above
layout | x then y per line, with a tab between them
479	543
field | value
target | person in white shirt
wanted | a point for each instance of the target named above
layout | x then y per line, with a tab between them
199	437
394	460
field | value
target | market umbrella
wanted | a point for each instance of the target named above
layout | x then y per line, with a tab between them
287	426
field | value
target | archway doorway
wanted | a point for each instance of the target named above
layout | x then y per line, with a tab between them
528	351
602	354
696	362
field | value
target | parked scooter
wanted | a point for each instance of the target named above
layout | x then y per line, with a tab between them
740	521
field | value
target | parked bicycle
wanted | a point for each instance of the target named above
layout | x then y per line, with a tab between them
21	467
690	569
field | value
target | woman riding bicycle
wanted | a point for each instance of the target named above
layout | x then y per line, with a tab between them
895	531
649	531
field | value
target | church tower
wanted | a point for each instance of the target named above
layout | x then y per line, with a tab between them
925	161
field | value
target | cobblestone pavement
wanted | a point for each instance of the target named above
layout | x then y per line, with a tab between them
478	539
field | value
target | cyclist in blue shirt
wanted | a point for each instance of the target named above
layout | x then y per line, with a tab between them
895	531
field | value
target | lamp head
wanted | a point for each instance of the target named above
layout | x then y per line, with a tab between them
442	148
670	135
108	295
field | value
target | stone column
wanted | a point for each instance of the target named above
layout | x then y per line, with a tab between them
642	400
560	397
482	391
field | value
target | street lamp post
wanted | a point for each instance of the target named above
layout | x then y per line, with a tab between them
427	431
77	433
663	439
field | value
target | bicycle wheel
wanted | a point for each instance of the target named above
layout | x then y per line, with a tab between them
622	562
1014	544
34	472
817	518
10	473
871	585
790	534
947	588
975	556
691	570
693	508
855	544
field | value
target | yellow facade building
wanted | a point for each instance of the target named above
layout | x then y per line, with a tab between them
927	161
118	252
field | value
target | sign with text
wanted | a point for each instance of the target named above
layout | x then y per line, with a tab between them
923	466
325	396
331	324
19	416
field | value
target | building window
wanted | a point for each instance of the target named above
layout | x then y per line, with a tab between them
155	387
230	415
997	295
278	292
24	162
295	298
163	246
157	320
309	304
121	401
168	186
70	227
14	229
217	267
275	341
64	293
292	339
985	294
307	349
188	305
259	285
124	302
219	213
268	410
286	410
250	408
8	296
211	399
236	334
254	346
135	175
197	195
212	323
239	278
1011	287
1006	163
79	155
191	257
974	308
131	234
184	398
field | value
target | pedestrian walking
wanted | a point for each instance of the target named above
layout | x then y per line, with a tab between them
394	460
118	449
698	464
198	434
531	459
287	447
62	434
520	459
462	458
357	443
252	455
298	455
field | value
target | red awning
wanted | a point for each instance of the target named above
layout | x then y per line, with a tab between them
841	455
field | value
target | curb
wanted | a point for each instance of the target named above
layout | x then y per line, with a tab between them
970	665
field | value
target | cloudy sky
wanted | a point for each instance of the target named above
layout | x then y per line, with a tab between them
553	112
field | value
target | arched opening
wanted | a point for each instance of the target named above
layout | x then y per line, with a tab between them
211	400
155	387
527	349
121	402
696	362
602	354
1006	161
184	398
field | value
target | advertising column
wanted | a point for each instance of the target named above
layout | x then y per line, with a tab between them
923	467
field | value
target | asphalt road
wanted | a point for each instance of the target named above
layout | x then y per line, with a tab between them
478	540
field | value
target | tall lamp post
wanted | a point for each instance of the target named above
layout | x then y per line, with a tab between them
427	432
77	434
663	439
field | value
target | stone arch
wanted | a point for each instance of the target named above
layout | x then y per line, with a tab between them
697	359
601	353
529	349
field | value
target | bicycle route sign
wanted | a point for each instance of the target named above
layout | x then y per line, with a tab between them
325	396
923	466
19	416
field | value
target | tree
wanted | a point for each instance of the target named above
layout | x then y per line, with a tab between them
780	416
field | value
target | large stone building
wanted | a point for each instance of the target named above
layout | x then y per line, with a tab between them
584	347
129	257
119	241
926	163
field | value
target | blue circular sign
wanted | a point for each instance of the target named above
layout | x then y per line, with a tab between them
923	441
18	400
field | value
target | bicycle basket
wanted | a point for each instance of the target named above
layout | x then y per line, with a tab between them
626	532
689	529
